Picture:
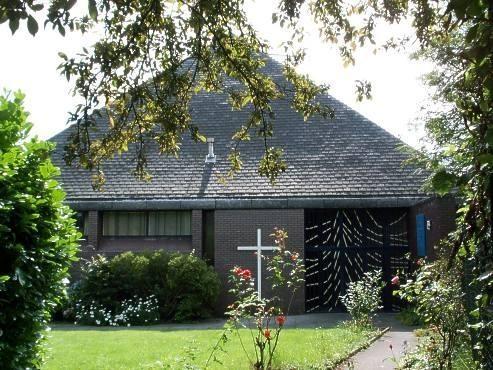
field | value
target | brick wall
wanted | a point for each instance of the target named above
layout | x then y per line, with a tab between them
94	229
197	231
235	228
441	212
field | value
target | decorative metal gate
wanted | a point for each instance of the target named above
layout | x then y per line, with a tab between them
342	244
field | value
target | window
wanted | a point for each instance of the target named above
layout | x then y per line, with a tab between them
81	222
124	224
155	223
169	223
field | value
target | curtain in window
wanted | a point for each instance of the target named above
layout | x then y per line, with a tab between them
172	223
160	223
124	224
184	220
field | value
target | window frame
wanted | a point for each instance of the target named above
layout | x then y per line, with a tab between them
82	223
147	235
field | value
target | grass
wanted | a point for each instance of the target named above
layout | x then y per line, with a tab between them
150	348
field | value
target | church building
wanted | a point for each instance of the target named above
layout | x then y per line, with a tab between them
348	203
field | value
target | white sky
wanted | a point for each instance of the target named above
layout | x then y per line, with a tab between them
29	63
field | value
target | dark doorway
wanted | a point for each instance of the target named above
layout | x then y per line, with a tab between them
342	244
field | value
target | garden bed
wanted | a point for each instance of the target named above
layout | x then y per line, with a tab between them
152	347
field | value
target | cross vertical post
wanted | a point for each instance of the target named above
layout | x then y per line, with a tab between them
258	249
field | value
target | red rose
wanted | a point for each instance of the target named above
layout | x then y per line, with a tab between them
395	280
245	274
267	334
281	319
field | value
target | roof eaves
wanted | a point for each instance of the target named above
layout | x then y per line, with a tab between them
242	203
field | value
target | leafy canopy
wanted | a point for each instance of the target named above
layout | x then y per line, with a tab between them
155	55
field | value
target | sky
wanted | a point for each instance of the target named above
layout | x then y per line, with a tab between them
398	93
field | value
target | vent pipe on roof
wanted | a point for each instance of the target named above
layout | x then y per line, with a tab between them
210	157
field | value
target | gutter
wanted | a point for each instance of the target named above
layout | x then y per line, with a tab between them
246	203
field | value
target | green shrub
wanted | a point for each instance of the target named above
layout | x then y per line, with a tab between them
131	272
158	271
437	296
184	285
363	298
38	238
193	287
408	316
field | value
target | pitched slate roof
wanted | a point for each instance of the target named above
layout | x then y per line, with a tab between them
345	161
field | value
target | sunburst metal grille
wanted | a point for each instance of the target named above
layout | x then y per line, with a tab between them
340	245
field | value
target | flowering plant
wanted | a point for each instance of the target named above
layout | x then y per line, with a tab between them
363	298
264	317
136	311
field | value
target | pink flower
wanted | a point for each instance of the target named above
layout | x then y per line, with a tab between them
395	280
294	257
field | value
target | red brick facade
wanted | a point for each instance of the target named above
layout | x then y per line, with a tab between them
441	212
237	227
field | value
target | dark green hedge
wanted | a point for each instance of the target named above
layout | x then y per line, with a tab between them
37	235
185	286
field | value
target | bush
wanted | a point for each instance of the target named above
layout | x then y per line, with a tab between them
38	236
193	288
363	298
408	316
185	287
437	297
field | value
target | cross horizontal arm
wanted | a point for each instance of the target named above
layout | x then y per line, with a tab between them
256	248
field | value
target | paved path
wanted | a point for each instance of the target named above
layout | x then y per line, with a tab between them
379	355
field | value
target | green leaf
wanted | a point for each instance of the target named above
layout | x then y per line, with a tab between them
475	8
4	278
20	276
58	195
61	30
13	24
32	25
489	136
483	104
443	182
37	7
93	10
459	7
486	158
471	33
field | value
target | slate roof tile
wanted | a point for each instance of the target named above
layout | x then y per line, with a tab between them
348	156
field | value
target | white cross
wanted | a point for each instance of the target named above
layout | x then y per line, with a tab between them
259	248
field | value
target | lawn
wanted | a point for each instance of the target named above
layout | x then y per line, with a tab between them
147	348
